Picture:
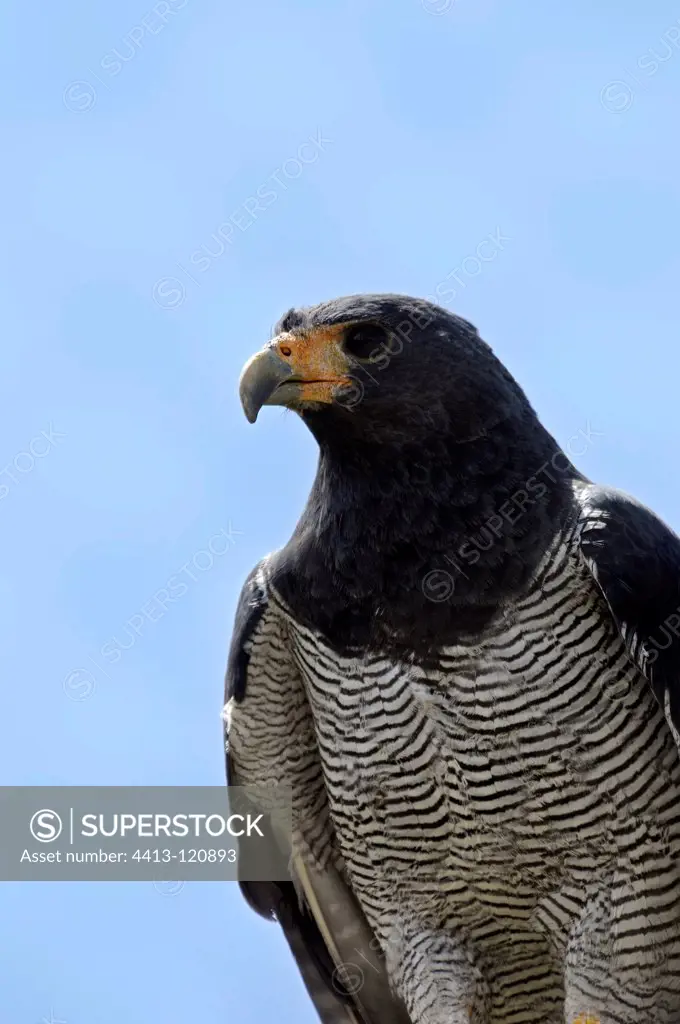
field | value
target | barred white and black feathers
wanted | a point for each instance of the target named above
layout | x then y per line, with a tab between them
486	813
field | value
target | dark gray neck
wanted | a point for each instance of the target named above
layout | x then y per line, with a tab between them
409	547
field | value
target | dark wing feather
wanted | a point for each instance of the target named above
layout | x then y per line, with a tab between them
328	935
635	560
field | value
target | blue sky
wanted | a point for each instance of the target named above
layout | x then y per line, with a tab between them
145	259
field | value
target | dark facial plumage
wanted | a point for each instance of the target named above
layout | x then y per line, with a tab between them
418	370
436	440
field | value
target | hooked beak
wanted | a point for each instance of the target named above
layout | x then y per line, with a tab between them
265	380
298	371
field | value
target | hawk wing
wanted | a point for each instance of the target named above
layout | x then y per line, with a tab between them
635	560
271	741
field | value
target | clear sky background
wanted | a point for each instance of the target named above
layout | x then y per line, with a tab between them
131	138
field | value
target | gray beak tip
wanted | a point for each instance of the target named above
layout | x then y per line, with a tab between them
261	375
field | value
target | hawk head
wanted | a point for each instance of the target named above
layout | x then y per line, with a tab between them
381	368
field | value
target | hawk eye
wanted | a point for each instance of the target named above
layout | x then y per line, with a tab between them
362	340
